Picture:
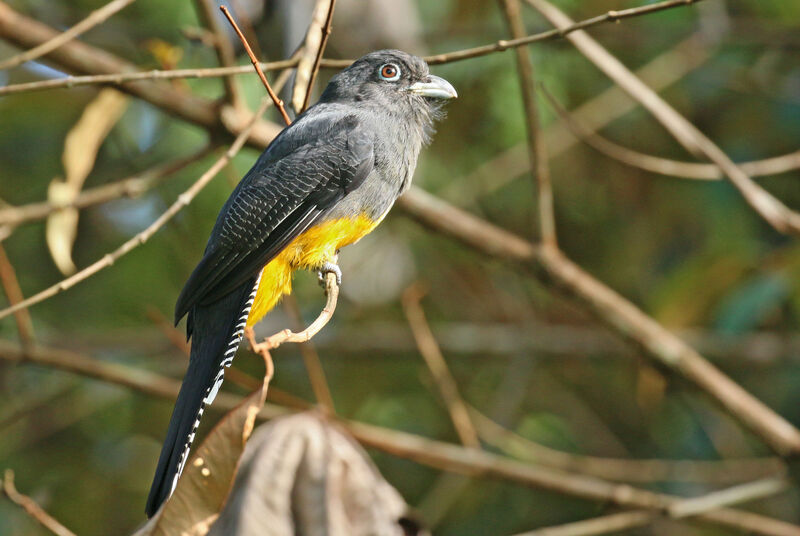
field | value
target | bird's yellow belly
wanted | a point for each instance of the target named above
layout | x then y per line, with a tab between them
310	250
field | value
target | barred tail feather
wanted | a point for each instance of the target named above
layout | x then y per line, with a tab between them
213	350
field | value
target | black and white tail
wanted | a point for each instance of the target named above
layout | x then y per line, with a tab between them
216	333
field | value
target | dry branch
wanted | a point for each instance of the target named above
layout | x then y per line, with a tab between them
93	19
626	470
432	354
621	315
771	209
325	30
278	102
434	453
10	283
119	76
32	509
665	166
183	200
537	151
131	187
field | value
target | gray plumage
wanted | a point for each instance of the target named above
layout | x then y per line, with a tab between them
351	154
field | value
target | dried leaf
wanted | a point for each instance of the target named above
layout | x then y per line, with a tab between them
303	475
80	152
208	476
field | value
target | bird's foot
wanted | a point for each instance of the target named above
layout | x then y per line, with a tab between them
330	268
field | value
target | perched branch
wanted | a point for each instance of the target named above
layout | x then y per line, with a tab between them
771	209
287	335
32	509
429	348
183	200
537	151
96	17
278	102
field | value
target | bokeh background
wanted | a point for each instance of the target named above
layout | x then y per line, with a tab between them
689	253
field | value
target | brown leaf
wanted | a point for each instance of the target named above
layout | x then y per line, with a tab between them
80	152
208	475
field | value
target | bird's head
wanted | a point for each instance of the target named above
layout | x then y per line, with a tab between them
388	78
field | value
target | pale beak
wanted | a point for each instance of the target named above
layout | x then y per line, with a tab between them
435	88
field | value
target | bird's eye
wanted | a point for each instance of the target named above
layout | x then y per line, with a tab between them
390	72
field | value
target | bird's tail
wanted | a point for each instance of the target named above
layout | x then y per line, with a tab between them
216	331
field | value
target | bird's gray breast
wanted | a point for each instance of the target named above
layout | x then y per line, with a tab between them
396	146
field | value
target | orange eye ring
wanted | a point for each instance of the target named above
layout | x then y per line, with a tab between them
389	72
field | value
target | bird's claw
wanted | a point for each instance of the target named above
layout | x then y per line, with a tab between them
330	268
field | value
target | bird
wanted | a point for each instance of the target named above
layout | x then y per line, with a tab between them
324	182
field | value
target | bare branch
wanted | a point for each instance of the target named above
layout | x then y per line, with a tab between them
537	152
96	17
131	187
119	76
278	102
325	29
666	166
772	210
138	76
429	348
598	525
33	509
626	470
437	454
620	314
183	200
8	278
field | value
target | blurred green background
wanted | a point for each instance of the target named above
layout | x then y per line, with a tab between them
689	253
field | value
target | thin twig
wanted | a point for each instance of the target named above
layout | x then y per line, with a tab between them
659	73
119	77
665	166
278	102
598	525
326	32
94	18
450	457
625	470
8	278
537	151
770	208
313	364
131	187
139	76
432	354
183	200
29	505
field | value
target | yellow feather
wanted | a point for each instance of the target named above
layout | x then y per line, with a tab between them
310	250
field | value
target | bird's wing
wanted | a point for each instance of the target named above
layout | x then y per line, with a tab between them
275	203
